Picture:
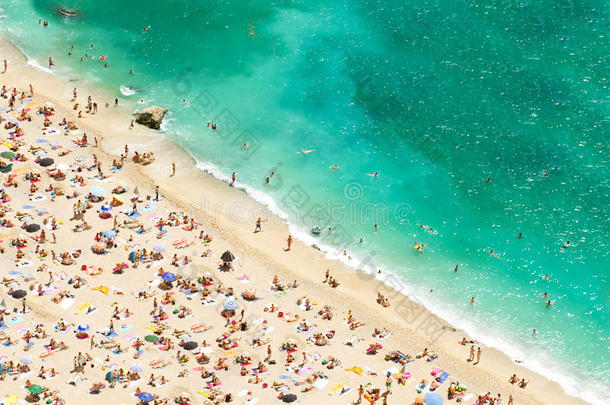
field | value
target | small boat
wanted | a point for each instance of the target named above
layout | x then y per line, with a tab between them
68	12
316	231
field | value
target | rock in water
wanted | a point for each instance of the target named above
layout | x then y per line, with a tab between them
151	116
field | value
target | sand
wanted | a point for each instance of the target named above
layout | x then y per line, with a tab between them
228	215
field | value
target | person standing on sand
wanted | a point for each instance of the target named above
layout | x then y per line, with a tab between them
51	64
31	91
173	170
478	355
233	178
471	358
5	66
258	227
116	102
289	241
510	399
131	125
360	393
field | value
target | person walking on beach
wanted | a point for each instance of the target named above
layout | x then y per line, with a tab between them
478	355
51	64
510	399
233	178
116	102
471	353
258	225
156	193
5	66
360	393
173	170
31	91
74	93
289	241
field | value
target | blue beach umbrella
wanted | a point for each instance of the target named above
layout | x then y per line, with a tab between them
110	233
159	248
168	276
98	191
230	305
433	399
145	396
106	207
83	328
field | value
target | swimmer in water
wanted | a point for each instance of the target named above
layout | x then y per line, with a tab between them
130	71
373	174
520	235
334	167
146	28
491	252
306	152
566	245
456	268
546	277
488	181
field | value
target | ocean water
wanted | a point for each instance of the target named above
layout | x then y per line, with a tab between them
434	96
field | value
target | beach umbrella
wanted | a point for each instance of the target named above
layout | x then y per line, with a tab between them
190	345
289	398
159	248
32	228
62	166
35	389
106	207
11	400
136	368
108	376
151	338
230	305
433	399
96	190
132	256
145	396
83	328
110	233
19	294
168	276
44	162
26	360
7	154
227	256
136	191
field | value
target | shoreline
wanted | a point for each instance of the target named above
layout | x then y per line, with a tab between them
228	222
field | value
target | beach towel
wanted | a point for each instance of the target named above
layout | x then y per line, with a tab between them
443	377
355	369
335	388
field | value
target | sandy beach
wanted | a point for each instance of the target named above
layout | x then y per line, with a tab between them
322	339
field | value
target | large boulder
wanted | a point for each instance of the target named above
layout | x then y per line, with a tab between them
151	116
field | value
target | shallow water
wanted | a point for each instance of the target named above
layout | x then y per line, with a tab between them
434	96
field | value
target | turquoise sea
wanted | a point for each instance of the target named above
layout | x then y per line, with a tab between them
435	96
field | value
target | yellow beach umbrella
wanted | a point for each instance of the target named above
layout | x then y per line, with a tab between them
11	399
